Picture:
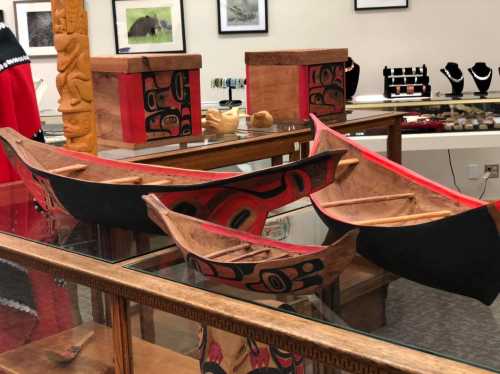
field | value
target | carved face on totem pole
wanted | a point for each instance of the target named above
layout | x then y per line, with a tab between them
77	124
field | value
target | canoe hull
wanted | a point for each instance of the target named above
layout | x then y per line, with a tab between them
242	201
291	268
459	252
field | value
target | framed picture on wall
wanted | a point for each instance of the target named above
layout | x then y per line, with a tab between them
34	27
242	16
1	16
380	4
149	26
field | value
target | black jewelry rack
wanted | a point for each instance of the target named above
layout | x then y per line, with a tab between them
406	82
229	84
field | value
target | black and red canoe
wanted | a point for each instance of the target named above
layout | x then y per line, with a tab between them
410	225
110	192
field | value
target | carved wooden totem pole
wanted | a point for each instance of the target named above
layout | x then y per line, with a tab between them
74	82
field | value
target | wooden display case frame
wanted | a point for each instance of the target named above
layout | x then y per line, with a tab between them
328	345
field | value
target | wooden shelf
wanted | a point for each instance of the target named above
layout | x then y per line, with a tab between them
96	356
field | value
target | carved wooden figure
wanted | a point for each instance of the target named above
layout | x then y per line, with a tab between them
74	81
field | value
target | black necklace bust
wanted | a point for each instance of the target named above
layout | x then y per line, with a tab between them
352	71
482	75
456	77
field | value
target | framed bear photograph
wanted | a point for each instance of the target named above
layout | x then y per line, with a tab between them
149	26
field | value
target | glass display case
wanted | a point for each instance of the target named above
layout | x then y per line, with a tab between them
439	113
80	298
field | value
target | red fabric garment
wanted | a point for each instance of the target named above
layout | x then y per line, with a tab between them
18	105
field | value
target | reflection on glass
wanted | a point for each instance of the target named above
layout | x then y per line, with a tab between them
49	325
20	216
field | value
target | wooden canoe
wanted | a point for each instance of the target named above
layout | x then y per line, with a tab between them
251	262
109	192
408	224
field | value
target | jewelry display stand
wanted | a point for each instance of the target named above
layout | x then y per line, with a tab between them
352	71
456	77
406	82
230	84
482	75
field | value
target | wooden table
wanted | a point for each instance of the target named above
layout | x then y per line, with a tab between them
257	144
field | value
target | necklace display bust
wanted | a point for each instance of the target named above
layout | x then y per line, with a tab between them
352	71
482	75
456	77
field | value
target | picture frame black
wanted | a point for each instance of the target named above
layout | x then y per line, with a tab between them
181	27
21	10
1	16
359	7
241	29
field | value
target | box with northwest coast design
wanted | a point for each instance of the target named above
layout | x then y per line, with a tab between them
291	84
141	99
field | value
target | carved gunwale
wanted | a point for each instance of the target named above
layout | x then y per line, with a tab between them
326	344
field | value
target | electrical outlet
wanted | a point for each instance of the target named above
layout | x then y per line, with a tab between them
492	169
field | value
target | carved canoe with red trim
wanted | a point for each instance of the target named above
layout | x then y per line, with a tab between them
408	224
109	192
251	262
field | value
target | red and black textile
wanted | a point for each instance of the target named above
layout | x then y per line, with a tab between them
18	106
33	305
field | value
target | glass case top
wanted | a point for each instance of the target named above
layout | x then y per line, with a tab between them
20	216
365	299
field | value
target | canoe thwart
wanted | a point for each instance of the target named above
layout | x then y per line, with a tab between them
279	257
248	255
349	162
69	169
411	217
223	252
371	199
159	183
133	180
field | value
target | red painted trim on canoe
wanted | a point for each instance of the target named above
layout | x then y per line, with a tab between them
259	240
395	167
303	92
194	88
132	108
161	170
249	106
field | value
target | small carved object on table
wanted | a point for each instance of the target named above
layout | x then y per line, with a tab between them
222	123
262	119
74	81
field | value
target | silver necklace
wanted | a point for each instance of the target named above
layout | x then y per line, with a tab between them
454	80
481	78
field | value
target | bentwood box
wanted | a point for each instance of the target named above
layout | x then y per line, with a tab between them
143	98
291	84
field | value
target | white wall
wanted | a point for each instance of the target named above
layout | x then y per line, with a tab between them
430	31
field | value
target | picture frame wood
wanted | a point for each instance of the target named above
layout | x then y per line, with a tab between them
380	4
34	27
149	26
246	21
